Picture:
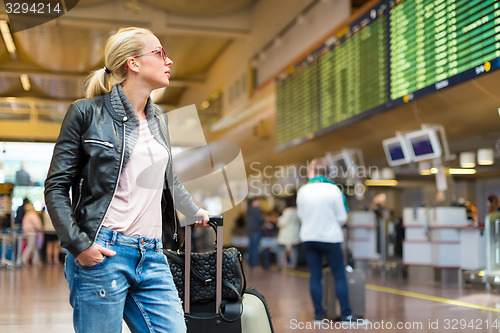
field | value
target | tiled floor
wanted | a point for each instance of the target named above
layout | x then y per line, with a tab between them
35	299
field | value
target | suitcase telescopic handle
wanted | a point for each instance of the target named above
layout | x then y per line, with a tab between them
217	223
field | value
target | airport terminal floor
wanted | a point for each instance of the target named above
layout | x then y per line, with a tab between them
35	299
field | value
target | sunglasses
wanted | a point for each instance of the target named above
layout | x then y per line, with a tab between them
161	52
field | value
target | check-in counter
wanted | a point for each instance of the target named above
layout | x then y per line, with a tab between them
363	235
441	237
416	245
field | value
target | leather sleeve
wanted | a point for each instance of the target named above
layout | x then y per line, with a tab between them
183	200
181	197
63	174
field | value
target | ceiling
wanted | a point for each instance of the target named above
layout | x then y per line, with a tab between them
58	55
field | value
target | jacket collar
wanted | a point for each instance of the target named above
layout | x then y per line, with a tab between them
111	111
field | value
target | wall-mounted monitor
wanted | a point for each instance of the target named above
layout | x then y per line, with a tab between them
344	164
396	151
424	145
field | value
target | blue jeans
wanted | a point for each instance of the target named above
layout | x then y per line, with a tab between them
253	248
135	285
315	251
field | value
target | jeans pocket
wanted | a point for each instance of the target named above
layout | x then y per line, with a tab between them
96	265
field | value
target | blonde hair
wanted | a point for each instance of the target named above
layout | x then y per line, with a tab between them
126	43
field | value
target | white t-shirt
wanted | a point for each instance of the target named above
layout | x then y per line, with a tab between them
320	207
135	209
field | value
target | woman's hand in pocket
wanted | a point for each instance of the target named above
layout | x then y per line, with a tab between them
94	255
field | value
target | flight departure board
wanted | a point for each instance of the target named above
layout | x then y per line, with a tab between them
353	69
432	41
297	100
343	78
396	51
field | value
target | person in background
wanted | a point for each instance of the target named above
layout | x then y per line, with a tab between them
255	221
23	178
20	213
51	240
32	229
269	239
492	204
114	153
321	209
471	213
378	206
288	235
493	208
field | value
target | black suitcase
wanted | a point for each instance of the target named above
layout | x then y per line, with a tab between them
207	317
246	315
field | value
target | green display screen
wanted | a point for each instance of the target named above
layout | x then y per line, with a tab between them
395	52
353	74
297	100
431	41
343	78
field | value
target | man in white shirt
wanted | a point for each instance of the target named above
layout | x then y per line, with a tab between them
320	206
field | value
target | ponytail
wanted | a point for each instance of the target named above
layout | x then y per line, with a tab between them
126	43
97	83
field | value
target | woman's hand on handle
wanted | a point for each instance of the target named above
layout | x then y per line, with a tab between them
94	255
203	213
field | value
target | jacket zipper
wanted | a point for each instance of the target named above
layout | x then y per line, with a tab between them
116	184
171	162
174	236
79	194
104	143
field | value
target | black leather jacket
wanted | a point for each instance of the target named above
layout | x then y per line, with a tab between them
87	159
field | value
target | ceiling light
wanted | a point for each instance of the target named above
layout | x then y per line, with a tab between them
375	174
381	182
467	159
453	171
25	82
7	38
485	156
424	168
387	173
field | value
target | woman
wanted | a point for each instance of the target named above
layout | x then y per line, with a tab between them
492	204
114	153
51	241
32	228
288	235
